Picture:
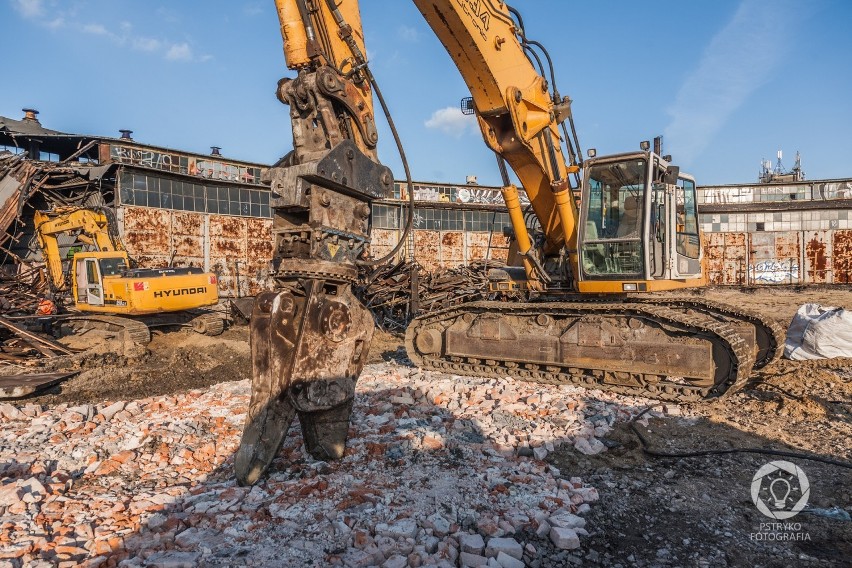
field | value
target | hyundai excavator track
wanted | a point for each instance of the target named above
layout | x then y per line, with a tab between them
661	348
133	329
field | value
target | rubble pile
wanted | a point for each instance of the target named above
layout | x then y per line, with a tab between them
439	470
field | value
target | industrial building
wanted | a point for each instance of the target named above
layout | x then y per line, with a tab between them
180	208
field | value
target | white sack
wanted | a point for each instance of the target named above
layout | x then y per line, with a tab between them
819	332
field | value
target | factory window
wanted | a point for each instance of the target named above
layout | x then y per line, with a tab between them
165	193
387	216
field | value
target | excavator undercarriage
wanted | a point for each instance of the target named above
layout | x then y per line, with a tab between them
678	349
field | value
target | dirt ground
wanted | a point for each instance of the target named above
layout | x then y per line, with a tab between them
693	511
698	511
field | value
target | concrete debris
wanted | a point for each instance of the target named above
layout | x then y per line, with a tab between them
151	482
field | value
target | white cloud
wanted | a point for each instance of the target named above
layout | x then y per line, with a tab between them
408	34
48	13
167	15
29	8
95	29
179	52
55	23
450	120
146	44
739	59
253	9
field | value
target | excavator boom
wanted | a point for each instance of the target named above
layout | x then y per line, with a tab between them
91	226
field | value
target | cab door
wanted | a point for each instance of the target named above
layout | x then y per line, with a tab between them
658	237
687	240
92	284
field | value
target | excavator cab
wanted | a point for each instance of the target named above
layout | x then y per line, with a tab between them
90	269
638	225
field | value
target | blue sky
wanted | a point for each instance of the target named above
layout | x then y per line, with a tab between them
727	82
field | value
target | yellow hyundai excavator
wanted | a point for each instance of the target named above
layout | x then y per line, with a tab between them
585	273
110	294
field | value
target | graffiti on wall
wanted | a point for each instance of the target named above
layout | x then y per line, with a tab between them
184	164
721	195
834	190
774	272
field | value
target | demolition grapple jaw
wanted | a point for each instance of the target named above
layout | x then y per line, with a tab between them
309	343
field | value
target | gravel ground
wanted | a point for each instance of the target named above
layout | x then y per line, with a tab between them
130	463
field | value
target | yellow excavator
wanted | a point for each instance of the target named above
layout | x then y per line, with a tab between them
581	309
110	294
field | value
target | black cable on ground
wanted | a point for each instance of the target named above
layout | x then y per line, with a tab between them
698	453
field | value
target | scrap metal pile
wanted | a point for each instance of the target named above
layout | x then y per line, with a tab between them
20	295
25	185
57	184
388	291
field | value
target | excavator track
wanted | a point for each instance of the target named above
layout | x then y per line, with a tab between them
634	348
134	329
768	334
207	324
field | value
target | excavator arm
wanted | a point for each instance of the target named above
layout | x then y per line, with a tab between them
518	114
310	336
89	226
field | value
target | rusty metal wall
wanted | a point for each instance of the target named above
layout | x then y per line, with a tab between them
780	257
436	250
237	249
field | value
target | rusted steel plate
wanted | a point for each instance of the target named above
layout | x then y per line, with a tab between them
150	260
818	264
427	249
714	239
735	245
841	242
187	224
227	247
383	241
452	249
477	247
726	258
146	232
17	386
187	246
787	245
228	227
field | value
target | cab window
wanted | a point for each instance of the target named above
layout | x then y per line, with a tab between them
612	244
687	219
112	266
